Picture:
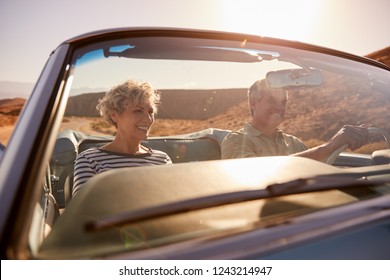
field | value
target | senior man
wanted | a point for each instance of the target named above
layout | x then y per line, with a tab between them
262	137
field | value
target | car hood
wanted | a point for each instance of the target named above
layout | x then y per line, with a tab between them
131	189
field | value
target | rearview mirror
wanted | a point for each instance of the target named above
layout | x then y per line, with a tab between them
294	78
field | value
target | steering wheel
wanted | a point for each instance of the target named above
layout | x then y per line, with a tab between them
371	131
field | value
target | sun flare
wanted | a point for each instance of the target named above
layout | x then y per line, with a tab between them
286	19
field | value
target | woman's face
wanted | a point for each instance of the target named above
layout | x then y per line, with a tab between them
135	121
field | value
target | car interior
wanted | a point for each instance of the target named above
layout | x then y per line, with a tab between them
193	134
199	146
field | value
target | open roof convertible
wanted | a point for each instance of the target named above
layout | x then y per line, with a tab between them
201	206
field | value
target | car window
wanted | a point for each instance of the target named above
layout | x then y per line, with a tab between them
203	84
209	88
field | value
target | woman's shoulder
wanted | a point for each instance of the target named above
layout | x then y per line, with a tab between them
159	154
89	152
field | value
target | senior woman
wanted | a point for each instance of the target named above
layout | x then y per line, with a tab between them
130	107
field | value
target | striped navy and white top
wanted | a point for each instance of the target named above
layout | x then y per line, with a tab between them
95	160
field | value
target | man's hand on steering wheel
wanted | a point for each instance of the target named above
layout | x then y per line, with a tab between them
353	136
349	136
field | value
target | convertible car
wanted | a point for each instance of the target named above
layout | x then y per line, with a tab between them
201	206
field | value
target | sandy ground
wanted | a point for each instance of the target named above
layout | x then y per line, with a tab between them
5	133
80	124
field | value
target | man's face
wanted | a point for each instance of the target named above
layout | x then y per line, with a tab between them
270	110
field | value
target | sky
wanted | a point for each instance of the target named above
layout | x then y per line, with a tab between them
31	29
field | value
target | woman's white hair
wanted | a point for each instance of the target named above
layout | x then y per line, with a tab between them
120	96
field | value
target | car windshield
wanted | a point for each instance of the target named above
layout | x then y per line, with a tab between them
203	84
215	76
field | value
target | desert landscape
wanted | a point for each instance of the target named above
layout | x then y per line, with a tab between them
218	111
9	113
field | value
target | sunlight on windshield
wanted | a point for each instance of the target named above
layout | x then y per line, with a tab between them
251	175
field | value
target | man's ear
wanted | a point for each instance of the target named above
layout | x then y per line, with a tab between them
252	104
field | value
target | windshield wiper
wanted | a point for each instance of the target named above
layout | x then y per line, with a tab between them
298	186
